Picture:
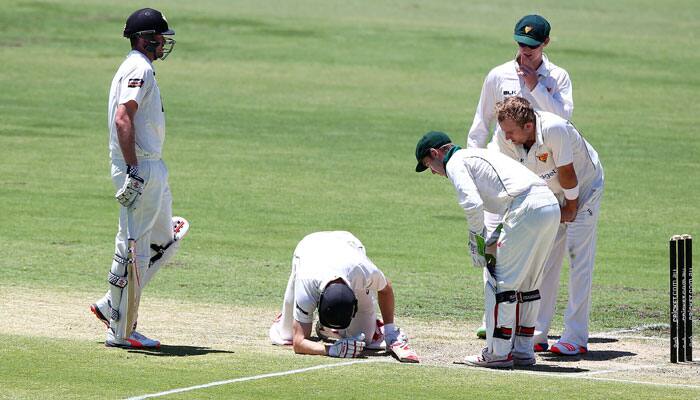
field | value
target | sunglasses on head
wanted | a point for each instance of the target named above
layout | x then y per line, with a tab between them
528	46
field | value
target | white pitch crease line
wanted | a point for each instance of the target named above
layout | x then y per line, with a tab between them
250	378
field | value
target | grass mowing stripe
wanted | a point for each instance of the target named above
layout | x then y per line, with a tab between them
250	378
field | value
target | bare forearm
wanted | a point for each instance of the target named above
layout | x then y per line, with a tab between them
569	182
385	298
306	346
302	344
126	133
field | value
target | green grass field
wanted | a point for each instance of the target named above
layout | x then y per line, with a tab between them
285	118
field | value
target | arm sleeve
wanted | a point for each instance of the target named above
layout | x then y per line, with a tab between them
468	197
135	85
375	277
305	300
485	114
559	141
560	101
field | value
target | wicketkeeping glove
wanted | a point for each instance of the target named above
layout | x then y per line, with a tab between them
348	347
132	188
483	251
477	248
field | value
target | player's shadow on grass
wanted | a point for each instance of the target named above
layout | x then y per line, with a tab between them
178	351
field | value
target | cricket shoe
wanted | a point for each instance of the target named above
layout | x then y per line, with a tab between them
540	347
95	309
567	349
134	341
403	352
487	360
481	332
274	333
523	359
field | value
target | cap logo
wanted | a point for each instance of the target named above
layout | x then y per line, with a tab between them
528	29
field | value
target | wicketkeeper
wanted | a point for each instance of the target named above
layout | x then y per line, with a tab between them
332	274
148	234
490	181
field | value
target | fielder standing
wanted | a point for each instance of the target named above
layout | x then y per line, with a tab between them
553	149
490	181
136	122
331	273
532	76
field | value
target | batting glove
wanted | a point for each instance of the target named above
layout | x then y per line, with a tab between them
132	188
348	347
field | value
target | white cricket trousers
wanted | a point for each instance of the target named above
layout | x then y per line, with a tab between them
579	238
150	223
529	228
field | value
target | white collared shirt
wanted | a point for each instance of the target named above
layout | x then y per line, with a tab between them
135	80
326	256
558	143
553	93
486	180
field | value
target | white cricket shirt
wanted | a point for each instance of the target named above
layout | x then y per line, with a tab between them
553	93
558	143
135	80
487	180
326	256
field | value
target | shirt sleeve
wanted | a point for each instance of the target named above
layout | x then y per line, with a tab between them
560	100
306	297
468	197
559	141
135	85
375	277
485	114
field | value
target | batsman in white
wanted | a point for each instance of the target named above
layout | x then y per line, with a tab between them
136	122
531	75
331	273
490	181
553	149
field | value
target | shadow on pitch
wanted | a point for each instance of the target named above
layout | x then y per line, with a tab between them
554	369
602	340
178	351
590	340
597	355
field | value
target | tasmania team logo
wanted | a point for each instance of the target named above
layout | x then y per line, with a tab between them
543	157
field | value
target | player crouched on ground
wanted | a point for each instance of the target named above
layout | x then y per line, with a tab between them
332	274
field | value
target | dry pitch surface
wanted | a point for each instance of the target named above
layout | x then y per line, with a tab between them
633	355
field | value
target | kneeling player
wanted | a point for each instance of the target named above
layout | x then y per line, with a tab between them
332	274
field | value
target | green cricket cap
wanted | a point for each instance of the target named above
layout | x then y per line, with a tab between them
431	140
532	30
